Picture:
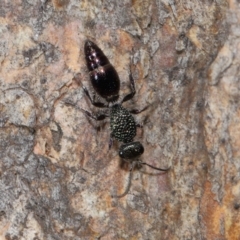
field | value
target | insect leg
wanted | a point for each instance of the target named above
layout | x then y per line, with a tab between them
136	111
98	117
92	100
133	89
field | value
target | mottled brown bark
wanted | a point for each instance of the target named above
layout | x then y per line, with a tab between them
56	172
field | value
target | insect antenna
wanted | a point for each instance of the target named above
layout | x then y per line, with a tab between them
129	181
159	169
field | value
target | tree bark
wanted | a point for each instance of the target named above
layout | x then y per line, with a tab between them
57	174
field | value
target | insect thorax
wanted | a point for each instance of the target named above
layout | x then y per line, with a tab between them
122	123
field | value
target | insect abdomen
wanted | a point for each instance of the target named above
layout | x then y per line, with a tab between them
103	75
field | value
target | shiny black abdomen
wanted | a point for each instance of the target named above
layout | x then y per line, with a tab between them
103	75
122	123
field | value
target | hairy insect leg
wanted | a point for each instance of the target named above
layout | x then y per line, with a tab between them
159	169
92	100
98	117
133	89
110	142
133	164
140	125
136	111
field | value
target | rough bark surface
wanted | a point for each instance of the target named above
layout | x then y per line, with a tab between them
56	172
